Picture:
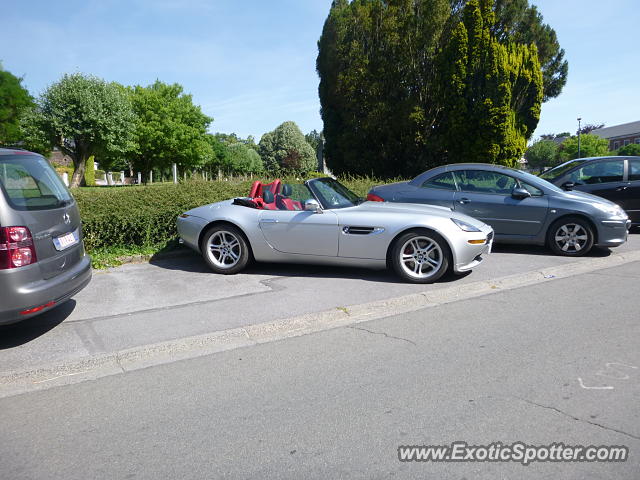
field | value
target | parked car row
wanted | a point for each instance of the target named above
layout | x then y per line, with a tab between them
521	207
445	219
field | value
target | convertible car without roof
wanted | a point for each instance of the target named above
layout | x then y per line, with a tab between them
323	222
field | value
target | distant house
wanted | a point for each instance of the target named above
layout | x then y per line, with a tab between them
60	158
620	135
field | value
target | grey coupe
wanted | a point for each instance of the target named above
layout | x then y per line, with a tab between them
323	222
521	207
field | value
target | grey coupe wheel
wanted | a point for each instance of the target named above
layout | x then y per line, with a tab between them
225	249
420	257
571	236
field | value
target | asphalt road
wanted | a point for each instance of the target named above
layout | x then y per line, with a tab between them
553	362
139	305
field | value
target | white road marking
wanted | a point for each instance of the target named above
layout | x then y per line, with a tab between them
618	375
608	387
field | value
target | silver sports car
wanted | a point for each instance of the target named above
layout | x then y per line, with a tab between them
323	222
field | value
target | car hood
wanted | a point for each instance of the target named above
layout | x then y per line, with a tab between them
585	197
417	209
390	186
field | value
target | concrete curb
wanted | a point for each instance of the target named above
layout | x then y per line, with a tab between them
196	346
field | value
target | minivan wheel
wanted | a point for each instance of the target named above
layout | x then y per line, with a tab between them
571	237
420	256
225	249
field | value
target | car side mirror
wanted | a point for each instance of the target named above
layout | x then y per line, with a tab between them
568	186
312	205
520	193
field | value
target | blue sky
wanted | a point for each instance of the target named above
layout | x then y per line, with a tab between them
251	64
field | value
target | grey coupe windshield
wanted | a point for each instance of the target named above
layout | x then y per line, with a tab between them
332	194
526	176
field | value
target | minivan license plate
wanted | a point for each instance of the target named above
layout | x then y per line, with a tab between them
65	241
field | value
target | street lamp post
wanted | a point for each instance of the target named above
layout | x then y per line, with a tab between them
579	128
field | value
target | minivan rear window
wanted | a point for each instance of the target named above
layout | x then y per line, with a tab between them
30	183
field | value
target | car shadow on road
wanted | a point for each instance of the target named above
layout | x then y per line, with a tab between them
195	264
515	249
337	272
188	261
26	331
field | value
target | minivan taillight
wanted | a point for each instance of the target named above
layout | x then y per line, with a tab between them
16	248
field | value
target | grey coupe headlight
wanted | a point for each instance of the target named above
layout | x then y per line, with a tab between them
613	210
467	227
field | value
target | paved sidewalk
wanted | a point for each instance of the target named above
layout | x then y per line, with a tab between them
135	306
553	362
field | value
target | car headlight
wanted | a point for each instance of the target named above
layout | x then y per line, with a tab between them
467	227
613	210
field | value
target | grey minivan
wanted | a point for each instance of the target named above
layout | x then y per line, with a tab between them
521	207
42	257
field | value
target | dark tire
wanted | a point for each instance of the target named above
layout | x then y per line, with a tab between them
225	249
420	256
570	237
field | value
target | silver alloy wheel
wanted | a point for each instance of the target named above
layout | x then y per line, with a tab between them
224	249
571	237
421	257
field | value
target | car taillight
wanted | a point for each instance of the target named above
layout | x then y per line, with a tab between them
372	197
16	248
31	311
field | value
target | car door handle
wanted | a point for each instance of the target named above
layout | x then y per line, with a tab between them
621	189
268	220
464	200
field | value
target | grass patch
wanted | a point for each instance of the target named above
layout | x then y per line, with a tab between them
108	257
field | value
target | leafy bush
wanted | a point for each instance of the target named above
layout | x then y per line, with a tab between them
145	216
90	173
633	149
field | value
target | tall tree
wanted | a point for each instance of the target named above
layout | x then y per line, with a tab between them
555	136
285	148
542	154
243	159
517	21
15	101
314	138
590	146
376	61
169	128
85	116
399	79
493	92
590	127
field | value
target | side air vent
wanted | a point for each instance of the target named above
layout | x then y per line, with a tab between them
361	230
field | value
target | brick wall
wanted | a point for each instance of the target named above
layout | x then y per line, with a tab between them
616	143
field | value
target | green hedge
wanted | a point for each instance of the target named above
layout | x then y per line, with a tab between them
90	173
144	216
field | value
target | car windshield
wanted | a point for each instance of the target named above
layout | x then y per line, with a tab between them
560	170
332	194
528	177
29	183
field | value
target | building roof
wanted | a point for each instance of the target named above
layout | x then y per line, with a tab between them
624	130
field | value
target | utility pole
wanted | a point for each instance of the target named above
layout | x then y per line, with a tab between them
579	128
